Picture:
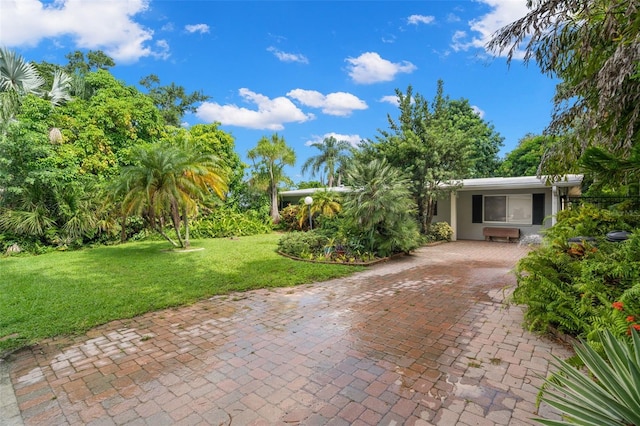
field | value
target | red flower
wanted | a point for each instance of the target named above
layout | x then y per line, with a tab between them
617	305
636	327
631	318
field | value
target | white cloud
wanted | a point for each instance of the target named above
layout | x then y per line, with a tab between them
354	140
452	17
271	113
390	99
420	19
338	103
197	28
478	111
502	13
288	57
371	68
104	25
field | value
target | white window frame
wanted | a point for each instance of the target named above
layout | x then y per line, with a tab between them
528	214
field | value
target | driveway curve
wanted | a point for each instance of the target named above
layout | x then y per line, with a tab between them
419	340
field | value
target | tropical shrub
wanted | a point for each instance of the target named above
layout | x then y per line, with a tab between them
379	211
289	218
229	223
609	395
586	287
440	231
304	245
320	245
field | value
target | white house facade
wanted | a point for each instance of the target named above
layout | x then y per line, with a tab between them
527	203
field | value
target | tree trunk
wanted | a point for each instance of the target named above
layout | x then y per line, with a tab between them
185	218
123	228
275	214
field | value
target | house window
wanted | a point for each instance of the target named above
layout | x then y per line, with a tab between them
508	209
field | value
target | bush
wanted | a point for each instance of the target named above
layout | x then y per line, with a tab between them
581	288
228	223
303	245
440	231
289	218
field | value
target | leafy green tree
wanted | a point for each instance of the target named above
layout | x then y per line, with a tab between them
173	101
593	48
305	184
45	198
612	173
380	208
525	158
426	143
485	141
101	131
93	61
269	157
333	154
165	185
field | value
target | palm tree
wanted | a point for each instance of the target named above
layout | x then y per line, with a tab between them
380	207
332	156
19	78
325	203
269	158
167	184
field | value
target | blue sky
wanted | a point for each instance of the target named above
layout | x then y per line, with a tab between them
303	69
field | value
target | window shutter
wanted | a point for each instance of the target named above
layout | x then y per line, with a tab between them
476	208
537	214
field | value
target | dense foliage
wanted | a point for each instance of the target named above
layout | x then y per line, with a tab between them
581	288
593	48
436	144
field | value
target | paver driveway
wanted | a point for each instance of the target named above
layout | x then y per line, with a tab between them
418	340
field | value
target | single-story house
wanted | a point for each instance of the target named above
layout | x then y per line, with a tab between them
527	204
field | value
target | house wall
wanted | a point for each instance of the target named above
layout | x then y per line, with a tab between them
467	230
444	211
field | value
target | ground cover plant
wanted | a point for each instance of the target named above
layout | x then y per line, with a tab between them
63	293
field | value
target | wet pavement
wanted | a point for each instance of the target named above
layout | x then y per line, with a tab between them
418	340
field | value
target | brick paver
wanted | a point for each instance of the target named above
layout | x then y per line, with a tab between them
419	340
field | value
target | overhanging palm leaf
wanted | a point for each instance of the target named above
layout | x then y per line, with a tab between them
611	397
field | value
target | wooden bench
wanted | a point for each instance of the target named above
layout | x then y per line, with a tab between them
500	232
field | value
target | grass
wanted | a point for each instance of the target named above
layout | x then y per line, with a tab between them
66	293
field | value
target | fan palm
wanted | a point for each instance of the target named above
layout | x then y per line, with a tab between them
19	78
332	156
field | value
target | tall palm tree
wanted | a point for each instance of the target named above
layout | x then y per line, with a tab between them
332	156
269	158
167	184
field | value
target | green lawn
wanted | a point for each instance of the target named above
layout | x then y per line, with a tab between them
65	293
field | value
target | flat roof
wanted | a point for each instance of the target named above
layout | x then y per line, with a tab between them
521	182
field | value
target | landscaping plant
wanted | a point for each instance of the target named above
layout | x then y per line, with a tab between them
609	395
581	288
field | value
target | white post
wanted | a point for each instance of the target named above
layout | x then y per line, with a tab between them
554	204
454	215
